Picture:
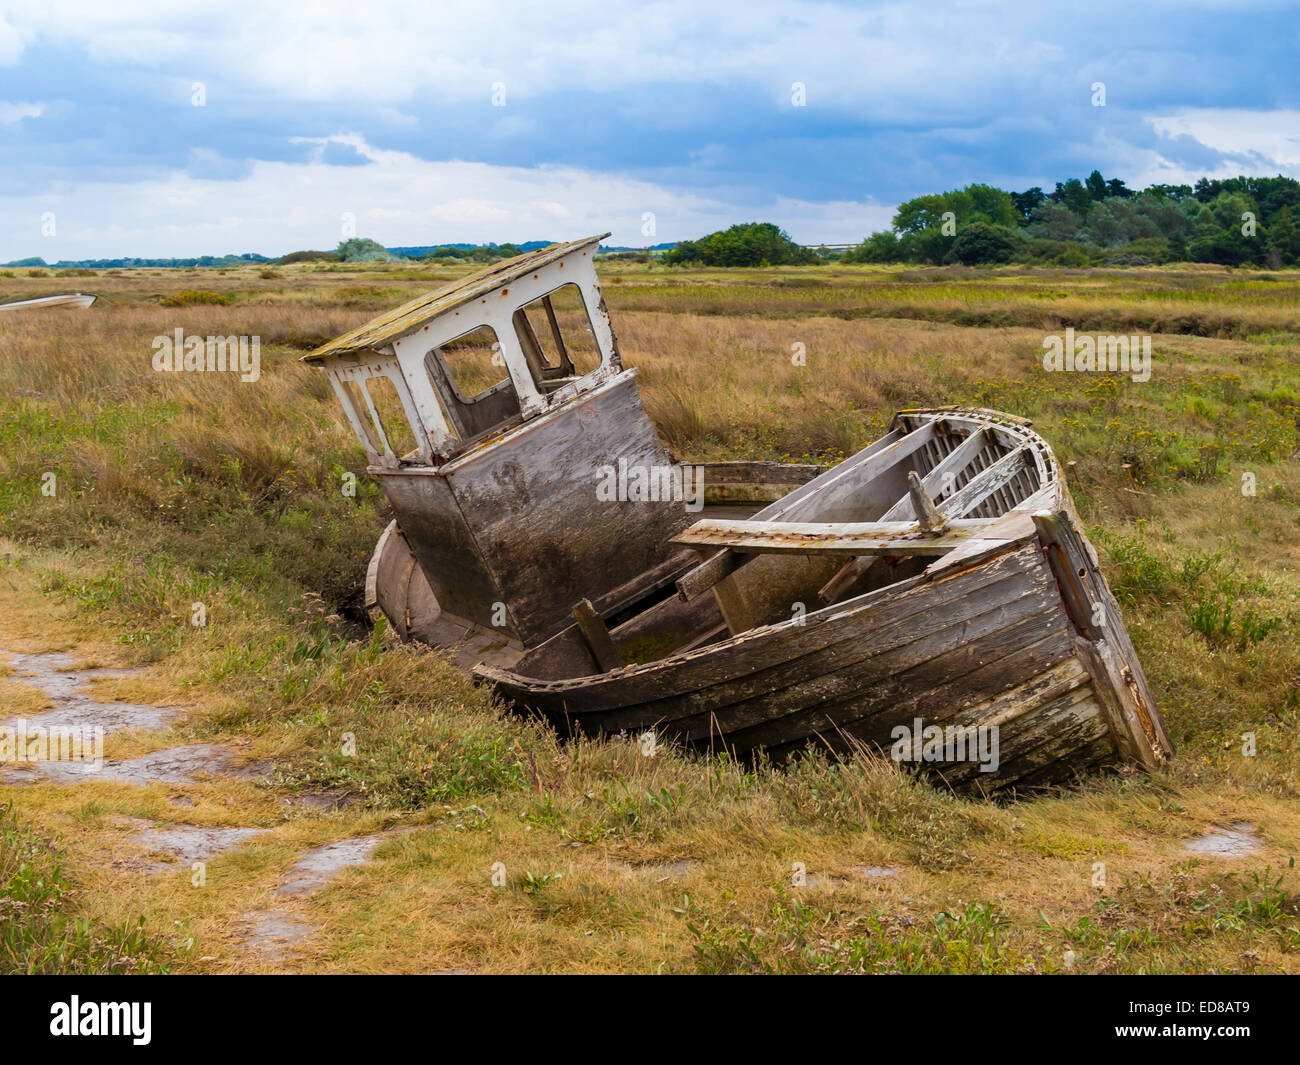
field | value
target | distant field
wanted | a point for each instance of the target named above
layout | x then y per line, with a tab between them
181	488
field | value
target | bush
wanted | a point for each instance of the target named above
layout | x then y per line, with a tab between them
191	297
362	250
880	247
979	242
1147	250
747	244
307	257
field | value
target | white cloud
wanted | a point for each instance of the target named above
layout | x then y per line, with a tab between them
16	112
12	42
891	61
397	199
1258	142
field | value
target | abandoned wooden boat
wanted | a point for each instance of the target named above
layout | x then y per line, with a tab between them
931	596
70	301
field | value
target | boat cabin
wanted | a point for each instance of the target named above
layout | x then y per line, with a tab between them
491	410
488	351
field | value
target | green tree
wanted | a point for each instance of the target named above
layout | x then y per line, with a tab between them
1283	240
1027	201
745	244
979	242
974	203
880	247
1075	195
361	250
1052	220
1115	221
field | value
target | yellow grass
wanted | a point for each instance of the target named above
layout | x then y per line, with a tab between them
195	487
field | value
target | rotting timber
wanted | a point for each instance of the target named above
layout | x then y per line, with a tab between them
937	583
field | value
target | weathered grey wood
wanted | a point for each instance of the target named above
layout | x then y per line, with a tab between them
596	635
984	484
520	522
927	514
1040	736
956	460
880	680
982	675
984	635
1104	643
754	661
75	300
816	498
708	573
859	538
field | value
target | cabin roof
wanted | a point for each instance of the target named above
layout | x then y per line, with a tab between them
406	319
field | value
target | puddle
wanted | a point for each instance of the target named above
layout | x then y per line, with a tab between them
74	706
272	932
1236	841
318	867
175	765
668	870
190	843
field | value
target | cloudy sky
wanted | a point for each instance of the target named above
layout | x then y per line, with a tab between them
192	128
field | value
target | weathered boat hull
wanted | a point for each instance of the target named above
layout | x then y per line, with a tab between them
986	643
72	301
396	583
1009	652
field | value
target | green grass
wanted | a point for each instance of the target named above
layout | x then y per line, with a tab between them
40	932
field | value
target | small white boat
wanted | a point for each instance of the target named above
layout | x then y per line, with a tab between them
73	300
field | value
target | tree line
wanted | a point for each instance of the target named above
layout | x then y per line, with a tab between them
1232	221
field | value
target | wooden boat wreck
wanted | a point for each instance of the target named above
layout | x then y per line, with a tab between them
932	596
78	301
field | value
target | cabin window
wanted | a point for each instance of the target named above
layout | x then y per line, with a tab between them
557	338
474	363
358	401
393	423
468	375
375	409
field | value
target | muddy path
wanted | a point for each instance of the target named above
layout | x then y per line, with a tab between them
156	847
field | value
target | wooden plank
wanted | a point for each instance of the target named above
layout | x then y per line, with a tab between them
974	688
927	514
977	677
854	538
1041	735
984	484
708	573
597	636
933	482
1104	643
743	472
866	465
872	682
